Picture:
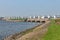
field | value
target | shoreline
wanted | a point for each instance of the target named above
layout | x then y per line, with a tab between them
13	36
15	20
21	34
37	34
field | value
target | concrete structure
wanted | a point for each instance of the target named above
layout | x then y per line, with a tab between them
37	20
42	17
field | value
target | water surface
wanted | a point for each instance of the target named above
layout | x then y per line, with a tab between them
9	28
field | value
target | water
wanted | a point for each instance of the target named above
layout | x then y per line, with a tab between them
8	28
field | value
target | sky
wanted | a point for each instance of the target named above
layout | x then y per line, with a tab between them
29	7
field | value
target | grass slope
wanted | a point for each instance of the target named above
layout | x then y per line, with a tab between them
53	32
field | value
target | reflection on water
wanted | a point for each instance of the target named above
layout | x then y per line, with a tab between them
8	28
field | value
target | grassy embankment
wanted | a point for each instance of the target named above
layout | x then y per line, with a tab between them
53	31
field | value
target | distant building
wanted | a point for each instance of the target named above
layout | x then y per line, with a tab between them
57	16
38	17
6	18
43	17
34	17
48	16
30	17
54	17
1	18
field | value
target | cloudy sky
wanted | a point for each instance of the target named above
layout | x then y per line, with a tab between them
29	7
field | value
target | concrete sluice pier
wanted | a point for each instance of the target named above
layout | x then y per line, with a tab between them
37	20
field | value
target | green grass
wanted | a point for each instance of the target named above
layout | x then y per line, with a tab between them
53	32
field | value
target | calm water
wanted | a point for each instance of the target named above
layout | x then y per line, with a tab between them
8	28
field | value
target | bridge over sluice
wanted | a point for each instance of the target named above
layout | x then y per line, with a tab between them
37	20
